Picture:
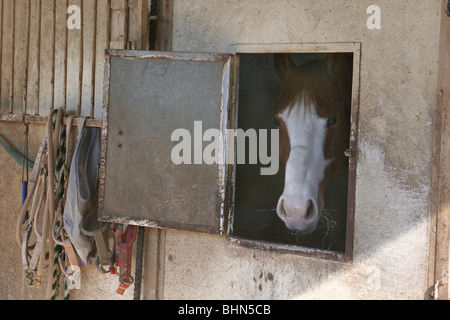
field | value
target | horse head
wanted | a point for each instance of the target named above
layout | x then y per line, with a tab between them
313	115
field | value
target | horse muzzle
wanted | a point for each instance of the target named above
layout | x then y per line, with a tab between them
298	214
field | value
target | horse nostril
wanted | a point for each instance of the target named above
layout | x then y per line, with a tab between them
282	211
311	211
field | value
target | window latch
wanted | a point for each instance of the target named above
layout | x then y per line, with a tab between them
349	153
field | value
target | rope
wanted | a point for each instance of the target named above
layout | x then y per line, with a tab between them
47	194
51	196
56	273
60	178
46	198
139	262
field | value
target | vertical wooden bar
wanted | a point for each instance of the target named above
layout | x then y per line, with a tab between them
46	57
11	91
60	54
164	28
7	56
74	65
102	38
25	96
118	24
145	38
33	58
138	24
89	48
1	52
20	56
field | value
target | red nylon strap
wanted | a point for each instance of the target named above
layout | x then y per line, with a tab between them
123	286
124	254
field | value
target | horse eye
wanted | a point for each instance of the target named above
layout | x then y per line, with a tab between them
332	122
277	122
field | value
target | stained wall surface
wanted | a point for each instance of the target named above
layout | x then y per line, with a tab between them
398	76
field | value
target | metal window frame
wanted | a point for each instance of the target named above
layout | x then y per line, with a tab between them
350	47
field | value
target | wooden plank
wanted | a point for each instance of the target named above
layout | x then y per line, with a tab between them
7	66
33	58
143	5
43	120
134	22
165	25
1	51
20	56
138	24
46	58
118	24
103	18
60	54
74	66
89	51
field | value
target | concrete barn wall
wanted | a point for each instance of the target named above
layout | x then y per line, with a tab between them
399	67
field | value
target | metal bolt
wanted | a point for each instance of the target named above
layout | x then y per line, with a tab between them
349	153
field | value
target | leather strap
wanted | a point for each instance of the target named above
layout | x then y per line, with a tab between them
38	196
60	238
34	217
100	237
124	252
24	229
26	238
81	125
32	188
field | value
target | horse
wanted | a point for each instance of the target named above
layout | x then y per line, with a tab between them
313	116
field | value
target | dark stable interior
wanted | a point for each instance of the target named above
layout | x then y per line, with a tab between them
256	196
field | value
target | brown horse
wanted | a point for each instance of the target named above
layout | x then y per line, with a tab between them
313	113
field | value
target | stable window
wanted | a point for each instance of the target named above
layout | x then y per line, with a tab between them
174	128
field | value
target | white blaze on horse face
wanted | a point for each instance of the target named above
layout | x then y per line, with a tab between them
299	206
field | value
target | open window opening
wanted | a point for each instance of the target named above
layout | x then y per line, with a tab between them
183	100
260	214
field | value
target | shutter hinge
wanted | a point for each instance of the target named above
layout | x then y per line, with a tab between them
432	292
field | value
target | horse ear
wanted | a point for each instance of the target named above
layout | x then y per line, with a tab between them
283	63
335	65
